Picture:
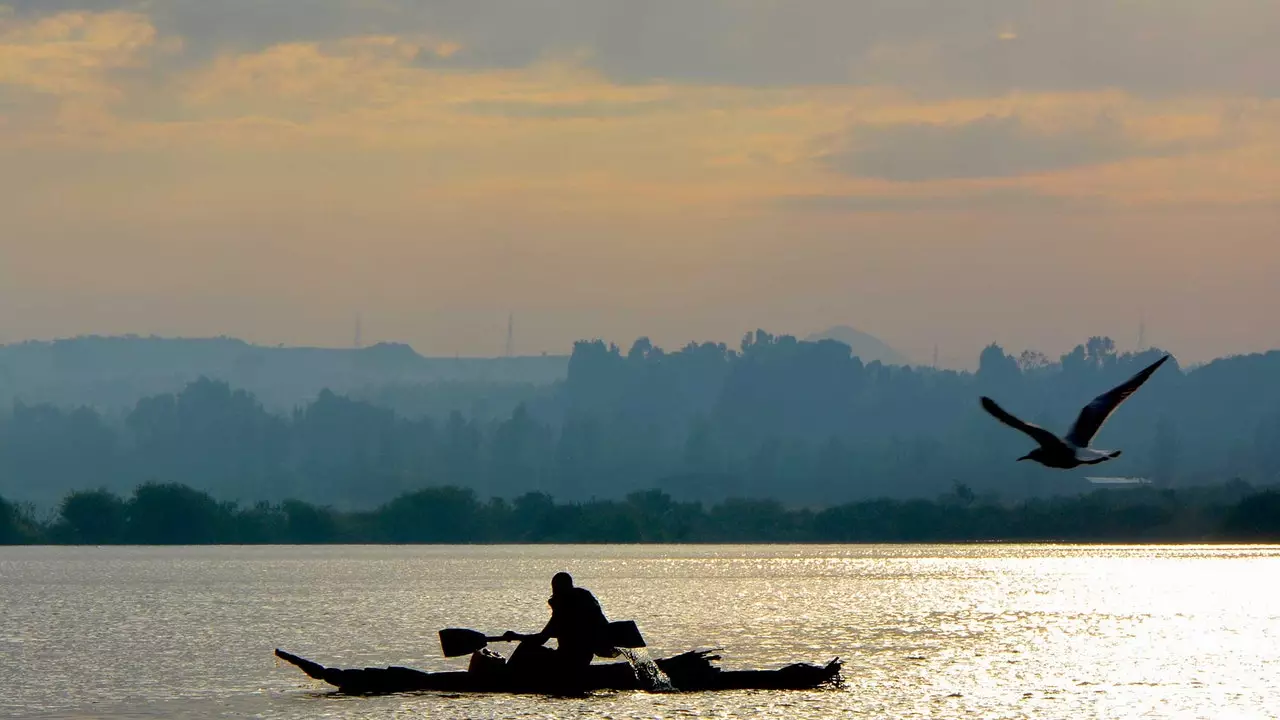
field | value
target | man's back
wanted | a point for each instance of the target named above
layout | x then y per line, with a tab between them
577	620
579	626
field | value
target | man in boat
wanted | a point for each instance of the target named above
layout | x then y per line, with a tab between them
577	623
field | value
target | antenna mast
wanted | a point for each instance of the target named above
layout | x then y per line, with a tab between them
511	328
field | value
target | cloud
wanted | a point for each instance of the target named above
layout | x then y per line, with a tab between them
69	53
108	81
74	73
987	147
982	200
558	155
566	110
930	49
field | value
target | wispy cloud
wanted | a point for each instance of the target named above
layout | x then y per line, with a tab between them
987	147
69	54
572	152
933	49
981	200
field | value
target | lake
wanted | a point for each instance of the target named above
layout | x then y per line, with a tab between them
981	631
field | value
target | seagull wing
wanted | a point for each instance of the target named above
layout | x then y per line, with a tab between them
1096	413
1037	433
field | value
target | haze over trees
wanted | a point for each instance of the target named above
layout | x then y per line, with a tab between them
802	423
112	373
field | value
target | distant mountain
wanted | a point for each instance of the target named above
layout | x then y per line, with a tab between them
111	373
868	348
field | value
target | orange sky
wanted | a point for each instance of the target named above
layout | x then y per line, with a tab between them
1010	171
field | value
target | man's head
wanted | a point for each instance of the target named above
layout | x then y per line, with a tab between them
561	582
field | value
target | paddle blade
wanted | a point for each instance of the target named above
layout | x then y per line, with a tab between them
460	641
625	634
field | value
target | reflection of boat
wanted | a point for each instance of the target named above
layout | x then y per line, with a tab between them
690	671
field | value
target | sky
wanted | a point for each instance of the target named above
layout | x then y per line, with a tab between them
1029	172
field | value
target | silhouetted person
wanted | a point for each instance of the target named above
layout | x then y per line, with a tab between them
579	626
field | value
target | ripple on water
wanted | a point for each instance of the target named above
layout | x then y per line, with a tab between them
925	631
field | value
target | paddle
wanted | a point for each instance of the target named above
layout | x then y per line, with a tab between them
461	641
625	634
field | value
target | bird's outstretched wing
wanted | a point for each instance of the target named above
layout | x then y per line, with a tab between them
1037	433
1096	413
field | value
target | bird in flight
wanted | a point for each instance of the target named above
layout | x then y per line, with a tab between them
1073	450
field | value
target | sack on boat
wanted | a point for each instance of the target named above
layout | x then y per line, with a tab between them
486	660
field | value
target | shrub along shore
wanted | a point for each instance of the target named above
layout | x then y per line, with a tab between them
173	514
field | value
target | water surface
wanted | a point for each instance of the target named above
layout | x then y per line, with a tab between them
927	631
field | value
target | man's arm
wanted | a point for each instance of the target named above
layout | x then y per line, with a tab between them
538	638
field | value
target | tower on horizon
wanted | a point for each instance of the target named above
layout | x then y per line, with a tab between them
511	329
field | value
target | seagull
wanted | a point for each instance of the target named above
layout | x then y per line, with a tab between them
1073	450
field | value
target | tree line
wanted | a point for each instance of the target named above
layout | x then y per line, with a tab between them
161	514
803	423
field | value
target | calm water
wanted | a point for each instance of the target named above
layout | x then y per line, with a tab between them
927	631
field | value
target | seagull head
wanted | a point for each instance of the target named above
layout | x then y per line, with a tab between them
1037	454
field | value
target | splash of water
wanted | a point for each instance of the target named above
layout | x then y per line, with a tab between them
648	673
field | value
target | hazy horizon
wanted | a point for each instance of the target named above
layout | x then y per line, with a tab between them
1029	173
945	361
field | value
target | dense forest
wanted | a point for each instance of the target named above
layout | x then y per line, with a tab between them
159	514
803	423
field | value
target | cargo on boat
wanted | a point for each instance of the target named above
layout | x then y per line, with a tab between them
692	671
